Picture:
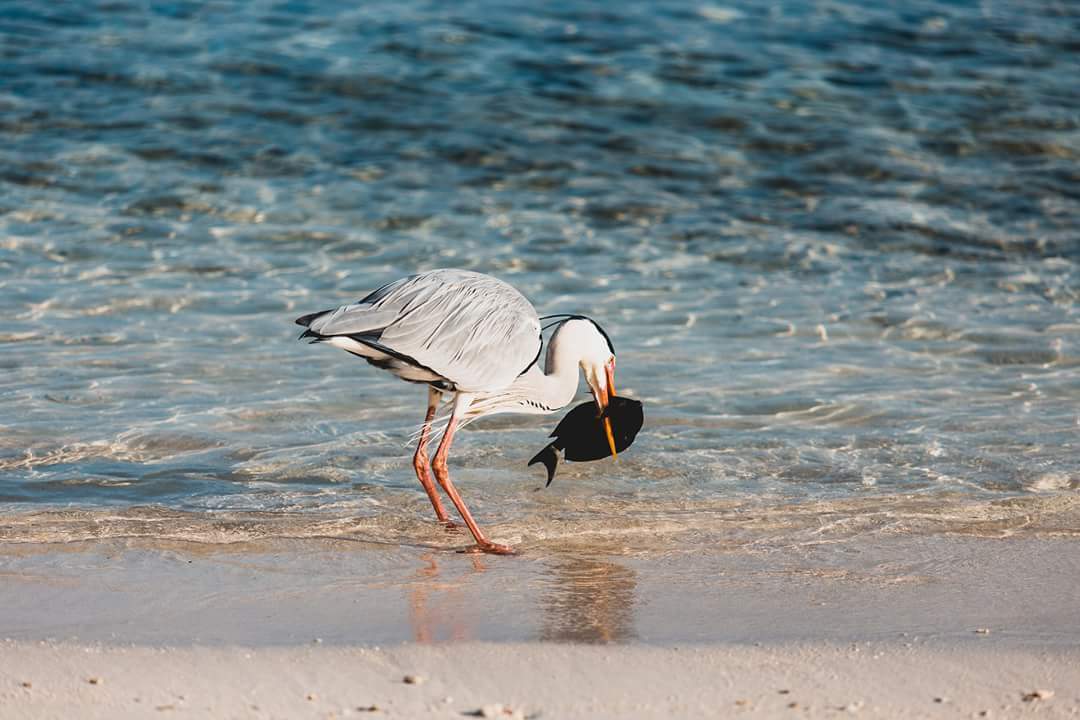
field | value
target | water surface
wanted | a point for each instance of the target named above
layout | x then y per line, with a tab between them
836	248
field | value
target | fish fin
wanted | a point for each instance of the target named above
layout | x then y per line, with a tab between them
550	460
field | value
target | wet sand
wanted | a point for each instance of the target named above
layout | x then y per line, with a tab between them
284	592
935	624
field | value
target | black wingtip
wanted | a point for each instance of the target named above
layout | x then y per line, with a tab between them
550	460
305	320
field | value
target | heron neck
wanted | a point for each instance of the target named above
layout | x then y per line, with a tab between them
555	388
558	384
535	391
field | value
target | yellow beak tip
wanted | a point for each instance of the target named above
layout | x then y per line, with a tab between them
610	437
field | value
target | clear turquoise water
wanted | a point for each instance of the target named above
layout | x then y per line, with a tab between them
836	246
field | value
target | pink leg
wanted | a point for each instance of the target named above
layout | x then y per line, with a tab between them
442	474
420	461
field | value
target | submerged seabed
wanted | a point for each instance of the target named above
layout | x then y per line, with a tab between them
835	246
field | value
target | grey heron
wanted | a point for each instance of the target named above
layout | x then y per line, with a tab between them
475	337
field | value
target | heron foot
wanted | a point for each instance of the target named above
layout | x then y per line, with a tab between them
450	525
489	548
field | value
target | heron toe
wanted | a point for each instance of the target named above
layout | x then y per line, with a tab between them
490	549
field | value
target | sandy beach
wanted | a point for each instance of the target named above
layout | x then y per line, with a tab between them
868	679
832	245
979	623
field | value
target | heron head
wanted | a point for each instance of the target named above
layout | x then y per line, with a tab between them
586	340
598	365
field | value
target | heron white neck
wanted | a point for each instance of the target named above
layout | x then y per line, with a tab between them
556	386
536	390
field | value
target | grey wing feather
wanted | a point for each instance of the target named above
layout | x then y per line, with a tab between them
474	330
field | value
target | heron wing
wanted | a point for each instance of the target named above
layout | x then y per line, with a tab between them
474	330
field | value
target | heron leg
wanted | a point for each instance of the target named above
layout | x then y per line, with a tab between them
421	462
442	474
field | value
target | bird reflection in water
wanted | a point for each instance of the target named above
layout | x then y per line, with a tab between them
583	600
439	621
588	601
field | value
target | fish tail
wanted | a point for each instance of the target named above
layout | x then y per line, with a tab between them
550	460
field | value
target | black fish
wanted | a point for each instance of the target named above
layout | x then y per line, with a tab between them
581	433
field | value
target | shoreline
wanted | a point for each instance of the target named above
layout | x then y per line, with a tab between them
348	593
889	625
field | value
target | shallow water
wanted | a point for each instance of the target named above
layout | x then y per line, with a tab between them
835	246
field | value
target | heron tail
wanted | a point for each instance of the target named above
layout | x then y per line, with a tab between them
550	460
305	321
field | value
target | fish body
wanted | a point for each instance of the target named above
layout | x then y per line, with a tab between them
580	435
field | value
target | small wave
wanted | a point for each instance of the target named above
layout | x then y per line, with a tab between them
612	526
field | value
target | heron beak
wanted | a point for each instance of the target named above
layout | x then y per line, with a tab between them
610	436
607	394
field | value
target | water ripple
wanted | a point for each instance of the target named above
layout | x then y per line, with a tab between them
835	244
